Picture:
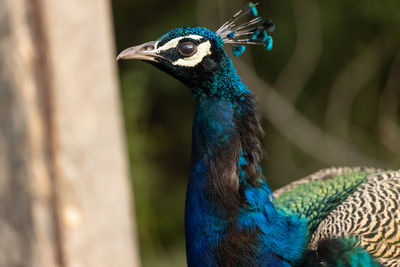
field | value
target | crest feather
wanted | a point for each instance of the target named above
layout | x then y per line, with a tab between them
254	31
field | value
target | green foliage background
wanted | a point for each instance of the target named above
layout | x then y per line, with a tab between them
336	62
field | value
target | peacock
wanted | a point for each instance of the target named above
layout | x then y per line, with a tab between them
347	216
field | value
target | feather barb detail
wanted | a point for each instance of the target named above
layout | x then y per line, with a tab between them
253	31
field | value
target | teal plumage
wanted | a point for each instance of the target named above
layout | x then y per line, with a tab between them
364	210
335	217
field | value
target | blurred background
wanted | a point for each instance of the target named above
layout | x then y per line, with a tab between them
329	92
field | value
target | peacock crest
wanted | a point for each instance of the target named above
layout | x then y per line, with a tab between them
335	217
255	31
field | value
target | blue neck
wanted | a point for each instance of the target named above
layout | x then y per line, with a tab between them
205	220
229	215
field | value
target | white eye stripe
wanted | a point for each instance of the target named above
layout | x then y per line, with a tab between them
193	36
174	42
203	50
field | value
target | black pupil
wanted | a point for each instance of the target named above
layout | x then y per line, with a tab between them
187	48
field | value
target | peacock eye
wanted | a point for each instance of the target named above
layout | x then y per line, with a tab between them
187	49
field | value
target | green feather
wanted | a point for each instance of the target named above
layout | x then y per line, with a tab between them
315	199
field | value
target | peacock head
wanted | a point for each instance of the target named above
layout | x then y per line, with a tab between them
196	56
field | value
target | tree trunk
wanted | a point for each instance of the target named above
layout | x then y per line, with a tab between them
64	192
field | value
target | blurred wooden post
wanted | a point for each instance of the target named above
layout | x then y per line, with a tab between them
64	192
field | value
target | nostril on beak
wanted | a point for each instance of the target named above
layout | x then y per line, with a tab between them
148	47
146	52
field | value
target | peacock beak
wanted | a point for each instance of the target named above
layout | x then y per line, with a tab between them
147	52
